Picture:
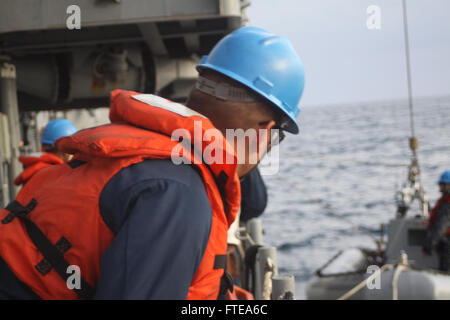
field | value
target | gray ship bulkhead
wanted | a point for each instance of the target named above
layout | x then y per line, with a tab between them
141	45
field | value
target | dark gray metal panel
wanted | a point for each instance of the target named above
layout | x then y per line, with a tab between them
151	36
23	15
399	239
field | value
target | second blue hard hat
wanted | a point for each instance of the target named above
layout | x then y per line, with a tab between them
265	63
56	129
445	177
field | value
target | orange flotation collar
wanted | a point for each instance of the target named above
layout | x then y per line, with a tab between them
33	163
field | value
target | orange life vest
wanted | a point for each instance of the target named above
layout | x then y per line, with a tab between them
33	163
65	207
434	213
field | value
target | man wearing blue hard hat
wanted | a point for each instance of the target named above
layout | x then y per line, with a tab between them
439	225
33	163
54	130
147	227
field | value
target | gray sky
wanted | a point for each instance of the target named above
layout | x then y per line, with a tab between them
345	62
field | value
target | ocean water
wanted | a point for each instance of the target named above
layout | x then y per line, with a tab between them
350	160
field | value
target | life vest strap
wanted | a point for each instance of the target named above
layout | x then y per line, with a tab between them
221	181
220	261
226	283
53	254
44	267
17	210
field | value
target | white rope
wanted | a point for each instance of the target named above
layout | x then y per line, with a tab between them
395	278
408	68
402	265
267	284
363	283
243	235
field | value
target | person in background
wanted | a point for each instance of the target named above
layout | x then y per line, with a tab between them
438	235
50	155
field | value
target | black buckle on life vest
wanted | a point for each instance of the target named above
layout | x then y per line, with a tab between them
220	261
226	283
17	210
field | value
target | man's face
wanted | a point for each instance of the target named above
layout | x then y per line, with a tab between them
248	125
257	145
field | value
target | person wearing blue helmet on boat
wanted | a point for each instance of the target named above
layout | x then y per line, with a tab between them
50	154
439	225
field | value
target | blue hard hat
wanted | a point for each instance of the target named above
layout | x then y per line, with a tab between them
445	177
265	63
56	129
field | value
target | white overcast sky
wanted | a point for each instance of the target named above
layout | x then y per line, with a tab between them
345	62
